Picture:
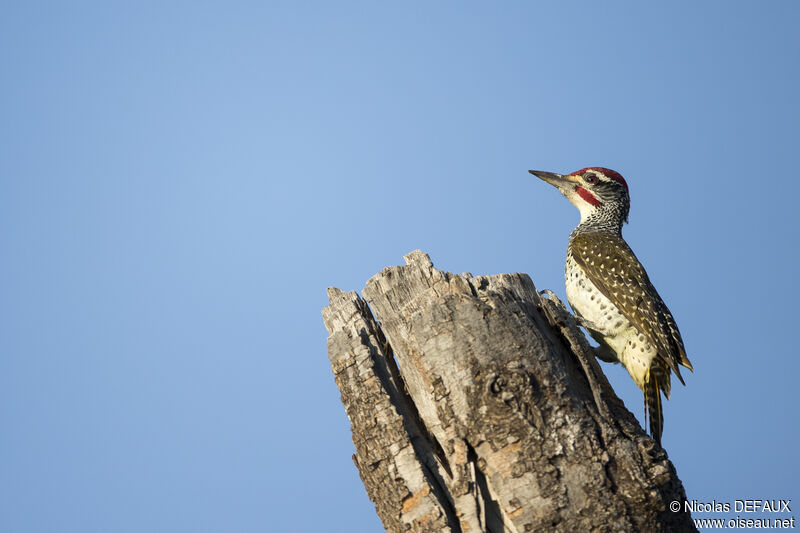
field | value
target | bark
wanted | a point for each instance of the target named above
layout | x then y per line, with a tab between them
477	405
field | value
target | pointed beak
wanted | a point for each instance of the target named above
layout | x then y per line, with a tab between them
556	180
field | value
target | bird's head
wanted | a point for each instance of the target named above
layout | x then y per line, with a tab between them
593	190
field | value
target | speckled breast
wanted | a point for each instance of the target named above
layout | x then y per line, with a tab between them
612	327
590	303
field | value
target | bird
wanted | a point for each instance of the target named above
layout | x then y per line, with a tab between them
611	293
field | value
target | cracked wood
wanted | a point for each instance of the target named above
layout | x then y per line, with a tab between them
476	405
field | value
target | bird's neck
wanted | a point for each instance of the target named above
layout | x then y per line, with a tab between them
606	218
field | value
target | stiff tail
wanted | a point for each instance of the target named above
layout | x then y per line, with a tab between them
656	380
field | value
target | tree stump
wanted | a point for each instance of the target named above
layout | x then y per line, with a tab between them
476	404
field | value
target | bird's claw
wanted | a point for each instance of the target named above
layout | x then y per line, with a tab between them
604	353
588	324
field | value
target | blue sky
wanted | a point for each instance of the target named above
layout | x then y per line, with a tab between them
180	182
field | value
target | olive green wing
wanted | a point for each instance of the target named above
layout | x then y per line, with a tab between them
616	272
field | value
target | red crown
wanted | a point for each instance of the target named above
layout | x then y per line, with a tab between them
607	172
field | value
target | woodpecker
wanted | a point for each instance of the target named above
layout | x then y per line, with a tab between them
610	292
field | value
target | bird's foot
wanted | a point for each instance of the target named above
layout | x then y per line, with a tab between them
588	324
604	353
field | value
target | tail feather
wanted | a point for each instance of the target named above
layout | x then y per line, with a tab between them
656	381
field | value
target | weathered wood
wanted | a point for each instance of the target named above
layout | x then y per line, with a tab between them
477	405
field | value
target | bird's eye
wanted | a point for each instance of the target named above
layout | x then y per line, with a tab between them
590	178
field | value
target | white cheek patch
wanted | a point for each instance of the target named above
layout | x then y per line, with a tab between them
583	206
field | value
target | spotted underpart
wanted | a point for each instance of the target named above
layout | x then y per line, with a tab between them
611	268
